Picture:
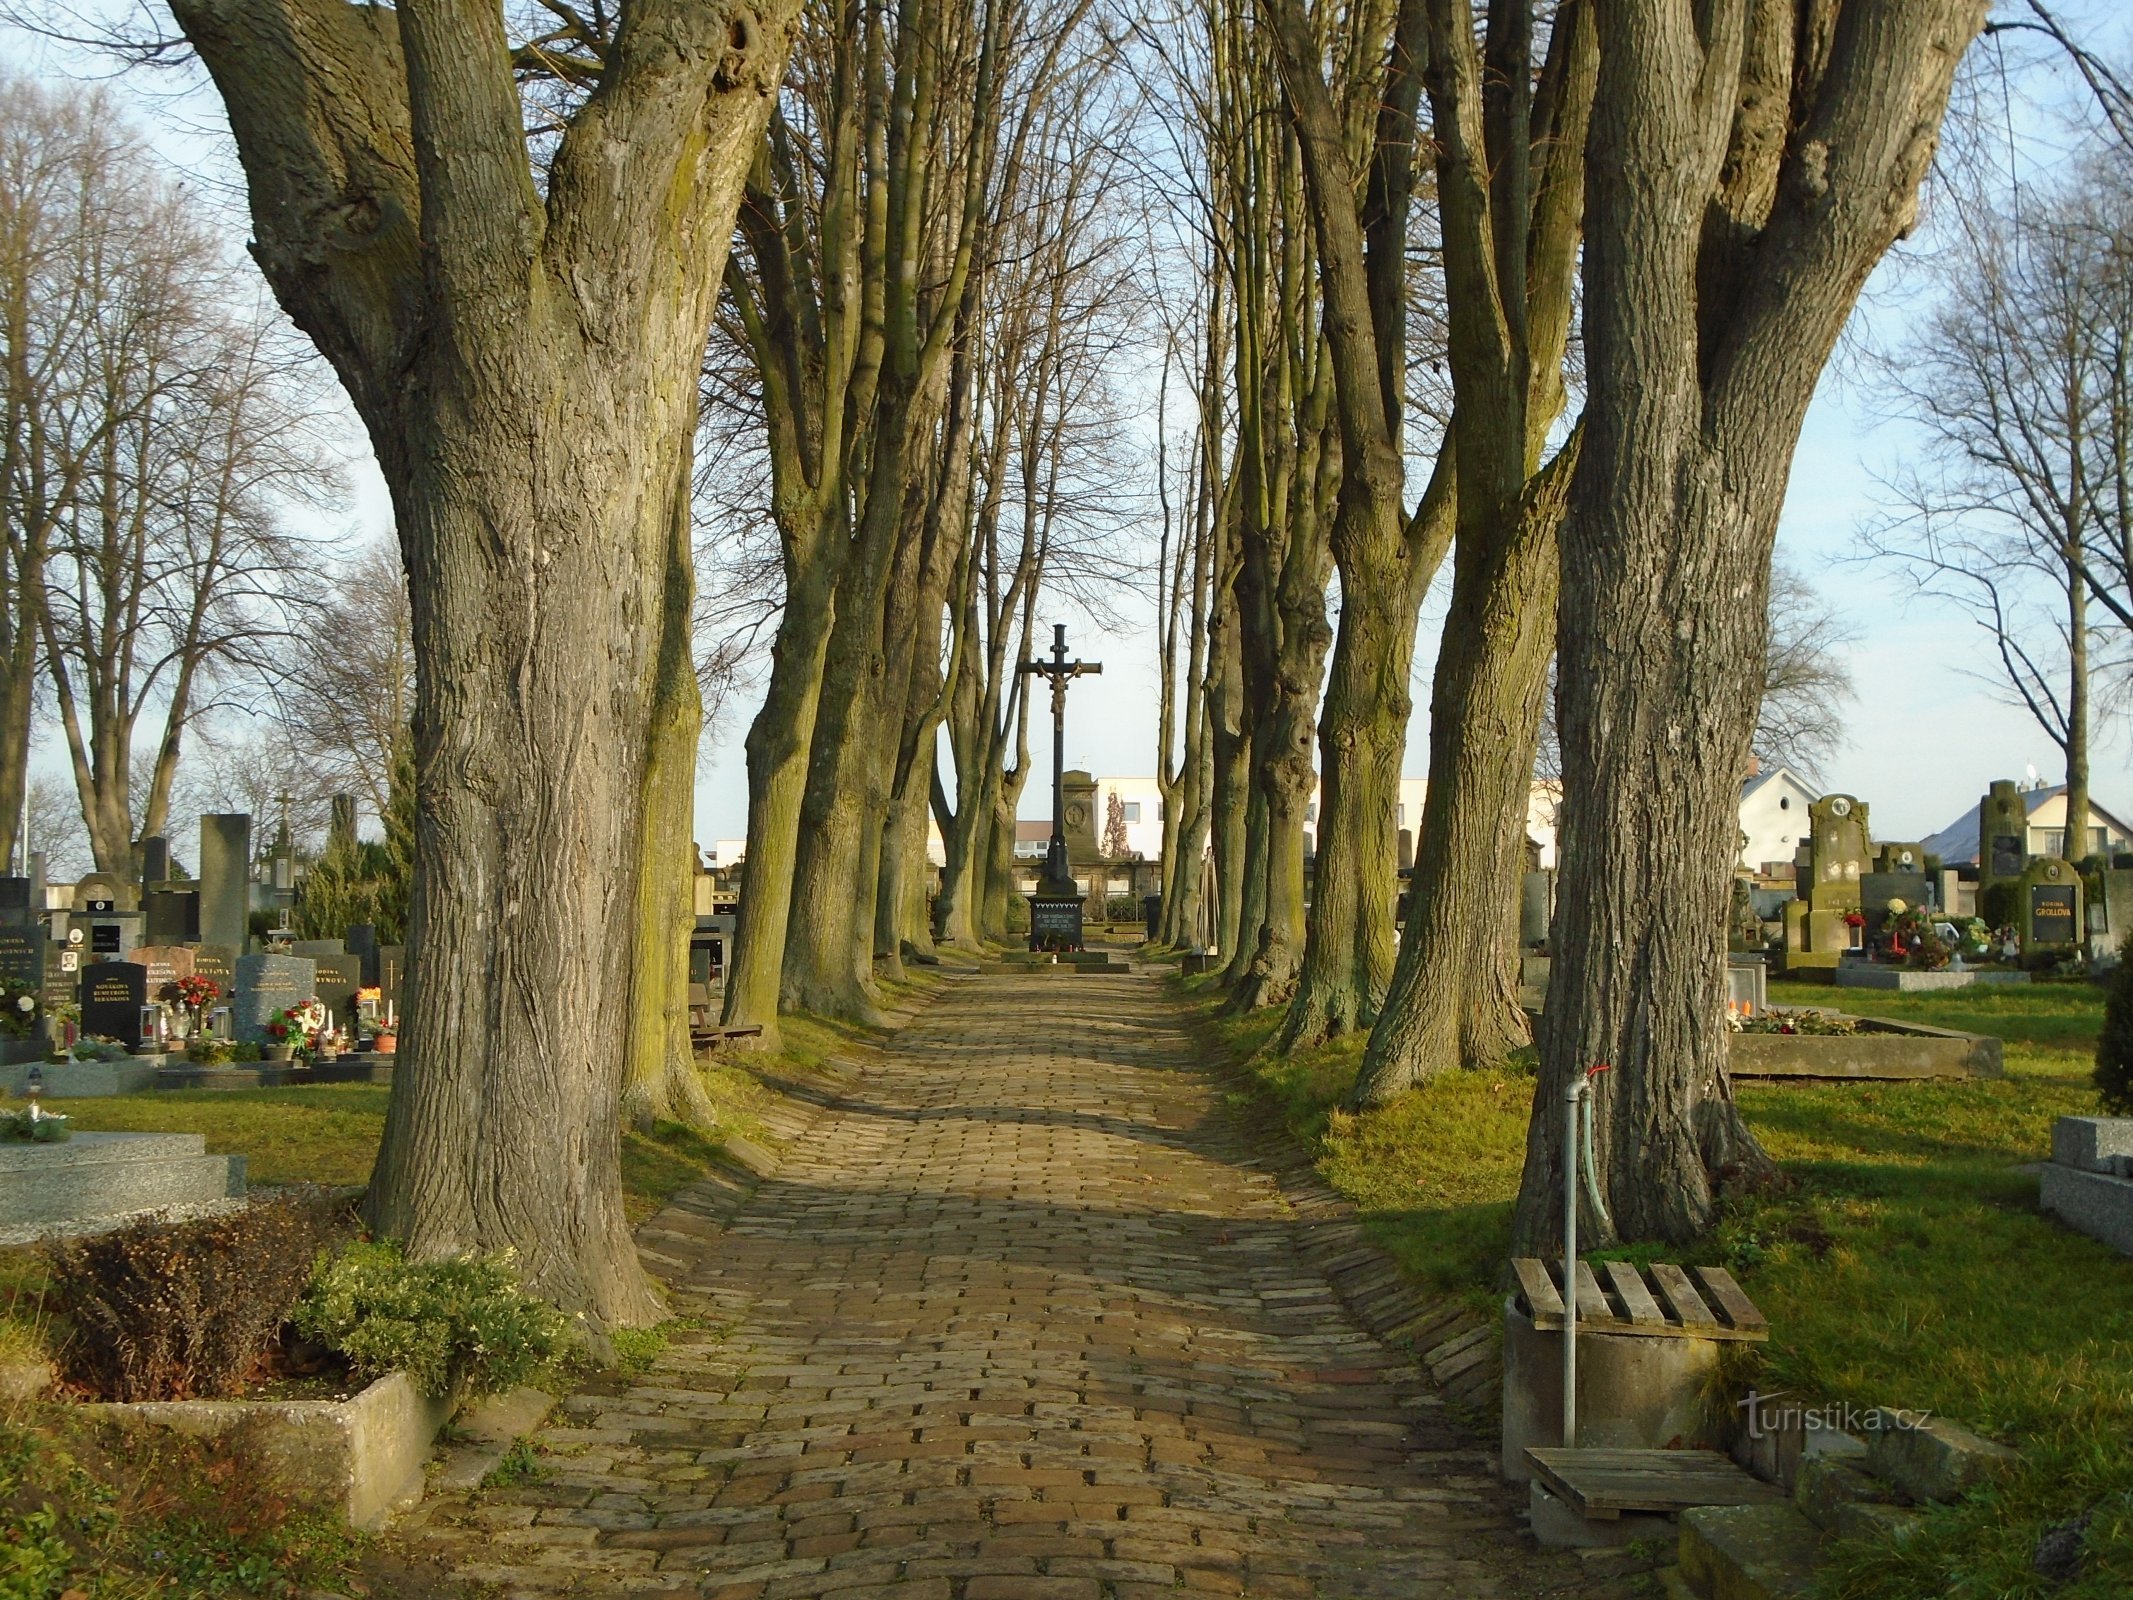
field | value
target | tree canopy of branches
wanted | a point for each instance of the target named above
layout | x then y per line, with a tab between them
156	444
2019	511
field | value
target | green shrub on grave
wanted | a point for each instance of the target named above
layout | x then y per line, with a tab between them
458	1326
2114	1044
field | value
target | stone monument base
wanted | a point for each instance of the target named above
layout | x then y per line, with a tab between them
2088	1183
96	1178
1055	921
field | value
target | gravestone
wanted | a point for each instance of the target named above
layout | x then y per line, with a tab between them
1836	854
2050	905
1536	906
23	954
362	942
216	961
18	908
113	994
335	979
1879	890
1078	791
155	860
2002	834
226	878
165	965
1054	922
62	975
1900	858
392	976
170	916
263	986
2117	905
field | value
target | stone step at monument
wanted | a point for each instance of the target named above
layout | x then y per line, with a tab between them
98	1176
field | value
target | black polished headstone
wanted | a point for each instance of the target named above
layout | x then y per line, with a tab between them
362	943
2051	914
106	939
22	957
335	980
17	902
216	961
1054	924
171	916
112	995
155	859
2006	856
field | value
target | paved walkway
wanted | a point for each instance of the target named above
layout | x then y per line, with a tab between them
1016	1320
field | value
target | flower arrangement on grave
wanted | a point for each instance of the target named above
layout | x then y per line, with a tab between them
195	994
19	1007
1816	1024
298	1027
1855	919
1915	940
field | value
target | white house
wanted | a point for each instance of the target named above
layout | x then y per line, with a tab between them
1773	819
1957	844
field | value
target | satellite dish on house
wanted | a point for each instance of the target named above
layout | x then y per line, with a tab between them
2030	778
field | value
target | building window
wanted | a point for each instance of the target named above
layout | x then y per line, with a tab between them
2054	842
1403	823
1784	804
1132	809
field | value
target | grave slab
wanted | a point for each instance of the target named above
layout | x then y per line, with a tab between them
95	1177
2089	1144
2093	1203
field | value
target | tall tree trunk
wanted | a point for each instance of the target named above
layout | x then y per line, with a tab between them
778	743
1453	1000
2077	712
660	1083
1737	197
524	361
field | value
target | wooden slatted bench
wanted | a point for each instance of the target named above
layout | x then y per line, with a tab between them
1601	1485
1662	1300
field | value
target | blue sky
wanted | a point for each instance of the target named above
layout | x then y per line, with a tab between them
1925	738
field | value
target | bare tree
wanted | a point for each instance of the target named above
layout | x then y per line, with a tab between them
79	228
169	572
1807	683
2017	512
344	692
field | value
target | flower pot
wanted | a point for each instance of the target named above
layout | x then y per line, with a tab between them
386	1043
275	1052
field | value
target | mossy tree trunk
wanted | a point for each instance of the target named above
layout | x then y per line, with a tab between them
524	359
1510	177
1740	190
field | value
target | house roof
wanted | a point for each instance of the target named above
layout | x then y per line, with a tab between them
1761	780
1958	842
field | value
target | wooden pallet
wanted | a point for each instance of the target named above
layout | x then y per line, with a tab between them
1668	1305
1602	1484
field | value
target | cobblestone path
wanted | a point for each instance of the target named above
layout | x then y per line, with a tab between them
1016	1319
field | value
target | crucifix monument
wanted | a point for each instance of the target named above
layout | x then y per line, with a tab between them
1055	907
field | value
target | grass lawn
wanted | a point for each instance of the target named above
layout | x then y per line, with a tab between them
116	1519
1906	1264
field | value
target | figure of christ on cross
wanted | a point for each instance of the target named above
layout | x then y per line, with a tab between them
1057	880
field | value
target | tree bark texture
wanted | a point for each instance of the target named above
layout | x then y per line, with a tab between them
1746	172
526	368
